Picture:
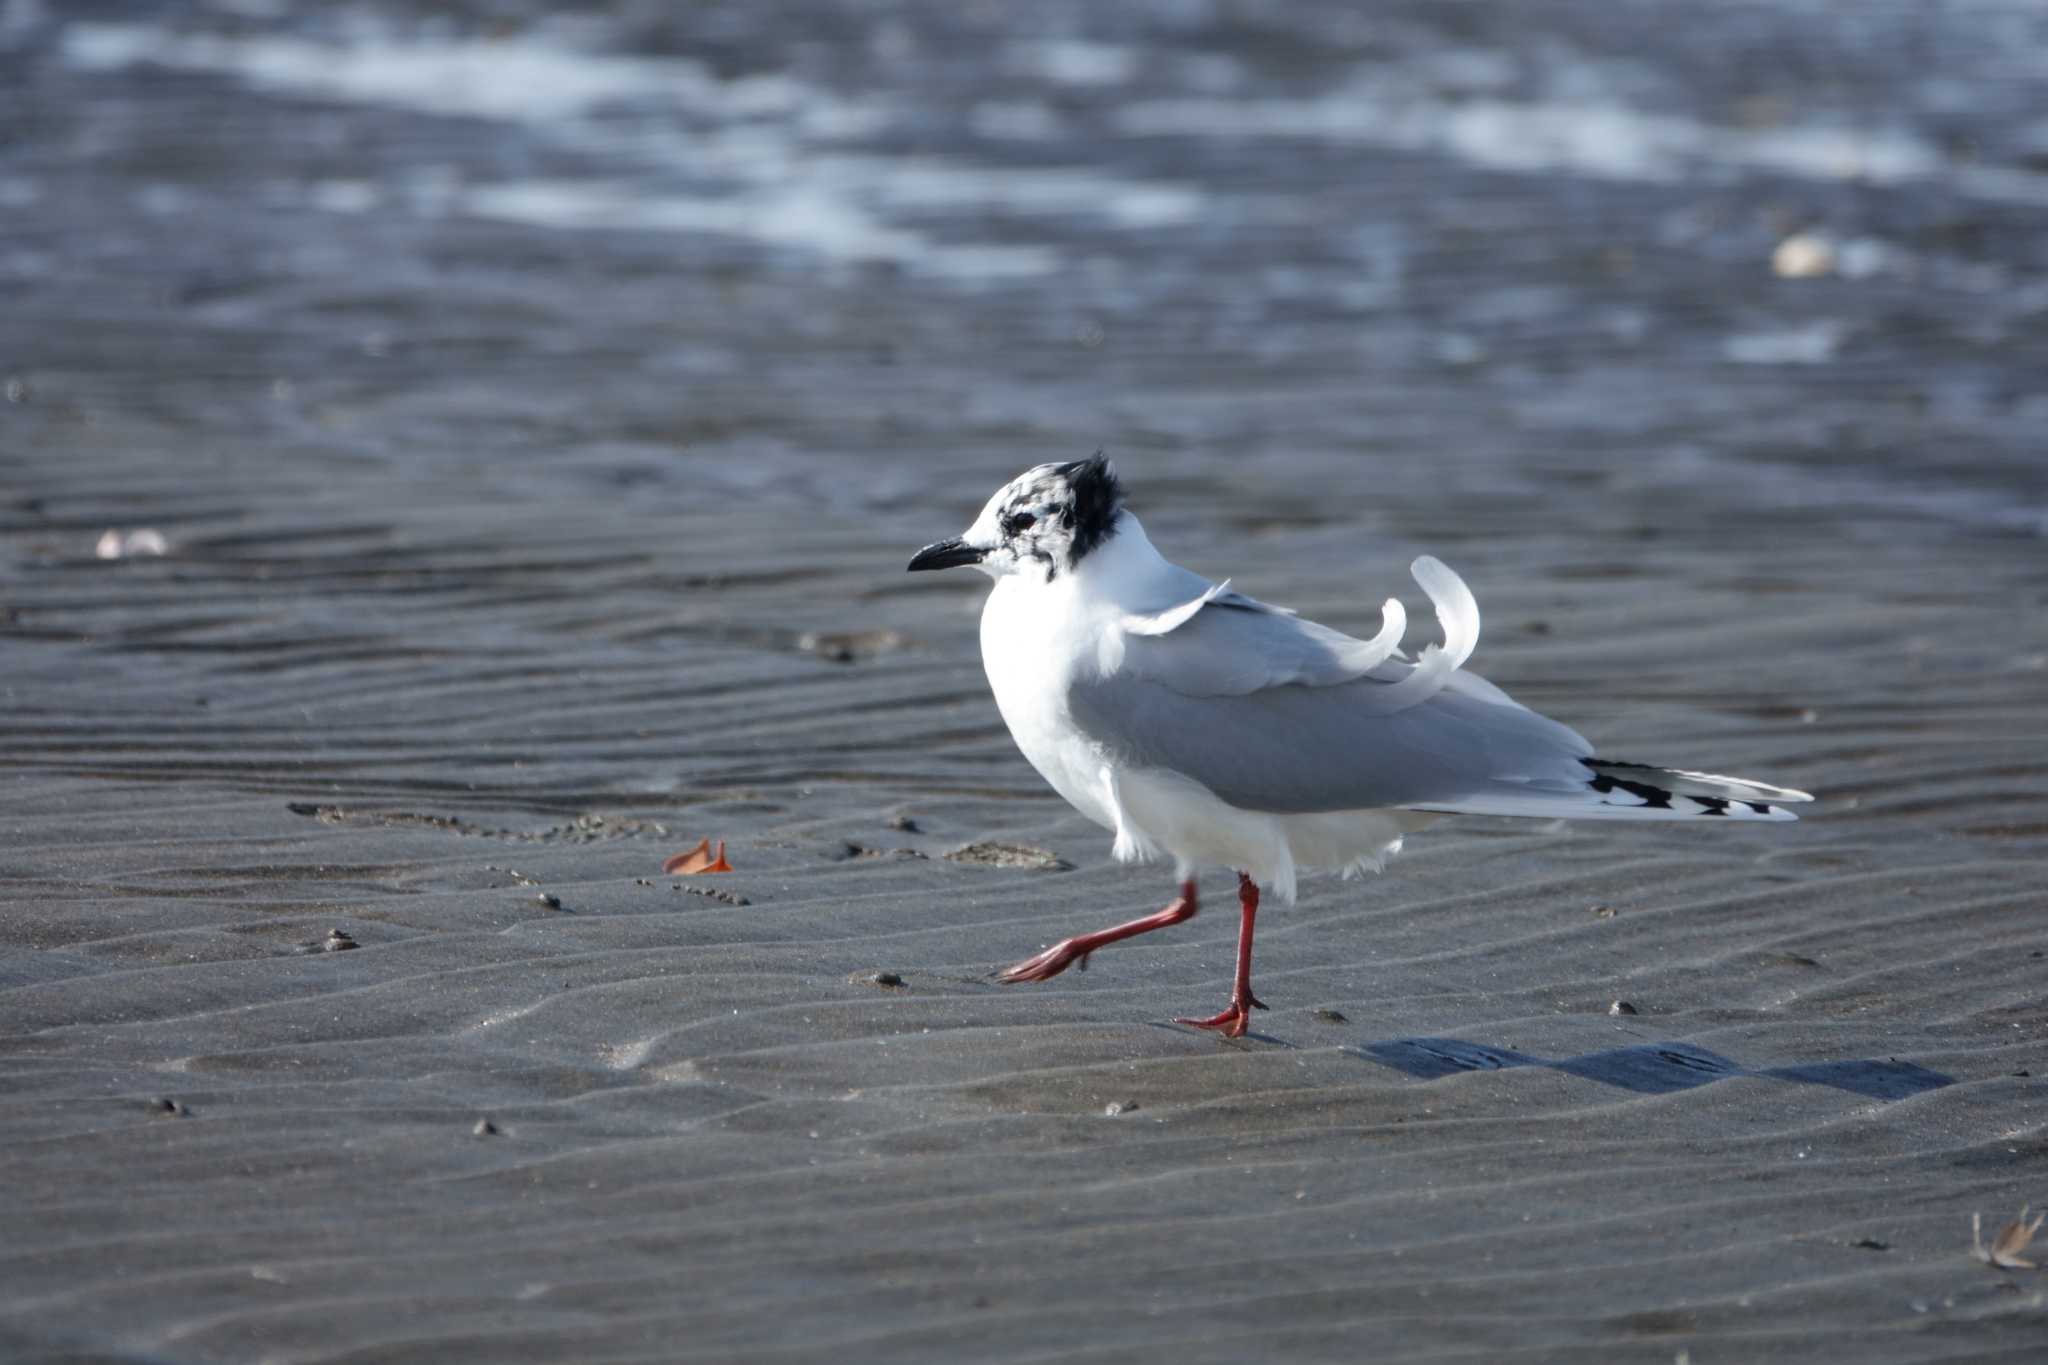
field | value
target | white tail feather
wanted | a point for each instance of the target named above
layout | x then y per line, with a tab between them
1458	613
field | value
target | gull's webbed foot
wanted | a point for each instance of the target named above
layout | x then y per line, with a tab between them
1231	1022
1048	964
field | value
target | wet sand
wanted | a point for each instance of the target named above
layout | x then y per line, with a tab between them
508	557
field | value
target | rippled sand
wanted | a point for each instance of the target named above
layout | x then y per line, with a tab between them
535	479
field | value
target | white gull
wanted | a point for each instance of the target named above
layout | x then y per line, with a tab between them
1209	727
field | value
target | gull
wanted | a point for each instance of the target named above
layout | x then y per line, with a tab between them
1203	725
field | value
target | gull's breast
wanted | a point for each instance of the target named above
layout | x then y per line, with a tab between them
1029	661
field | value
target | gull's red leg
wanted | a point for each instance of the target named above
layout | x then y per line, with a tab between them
1234	1019
1067	952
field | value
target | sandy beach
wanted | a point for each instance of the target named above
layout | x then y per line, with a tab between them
536	417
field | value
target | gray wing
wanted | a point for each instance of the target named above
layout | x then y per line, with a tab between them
1266	711
1297	748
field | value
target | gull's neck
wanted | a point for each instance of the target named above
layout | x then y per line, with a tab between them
1125	572
1070	621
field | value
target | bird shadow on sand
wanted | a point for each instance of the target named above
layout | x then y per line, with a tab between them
1653	1068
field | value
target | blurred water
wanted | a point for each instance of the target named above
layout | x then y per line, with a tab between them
1407	256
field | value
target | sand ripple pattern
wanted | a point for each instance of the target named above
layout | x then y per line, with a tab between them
512	541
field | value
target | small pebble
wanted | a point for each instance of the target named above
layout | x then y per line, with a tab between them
1603	912
888	979
114	544
552	902
1333	1016
338	941
1115	1107
904	824
1622	1007
485	1128
1803	256
163	1104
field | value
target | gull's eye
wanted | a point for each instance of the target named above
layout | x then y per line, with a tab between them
1023	521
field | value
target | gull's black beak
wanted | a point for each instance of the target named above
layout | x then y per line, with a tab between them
946	554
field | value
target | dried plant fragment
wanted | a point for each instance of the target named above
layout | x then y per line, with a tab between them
2012	1239
697	860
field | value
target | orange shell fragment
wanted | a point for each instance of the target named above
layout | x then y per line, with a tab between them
698	859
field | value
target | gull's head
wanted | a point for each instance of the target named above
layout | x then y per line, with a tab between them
1046	520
